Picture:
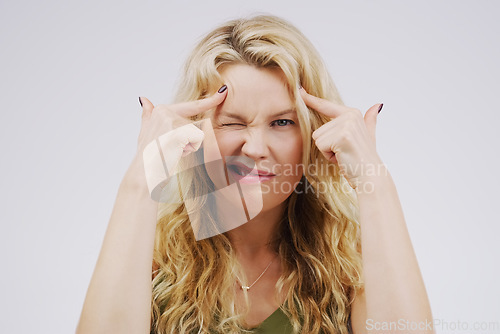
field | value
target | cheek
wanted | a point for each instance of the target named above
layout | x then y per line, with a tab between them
293	148
211	150
218	145
295	153
213	157
227	141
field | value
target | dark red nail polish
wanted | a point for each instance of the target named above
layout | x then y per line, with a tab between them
140	101
380	108
222	89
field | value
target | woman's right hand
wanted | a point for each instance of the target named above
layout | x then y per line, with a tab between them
177	136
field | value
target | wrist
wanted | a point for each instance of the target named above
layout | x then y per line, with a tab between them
373	184
135	178
370	176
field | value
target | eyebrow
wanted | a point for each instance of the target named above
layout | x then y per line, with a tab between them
236	116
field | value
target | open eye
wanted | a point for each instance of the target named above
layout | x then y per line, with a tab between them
283	122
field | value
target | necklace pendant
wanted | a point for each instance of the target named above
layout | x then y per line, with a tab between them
245	287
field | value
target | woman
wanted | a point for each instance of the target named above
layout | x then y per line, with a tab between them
273	187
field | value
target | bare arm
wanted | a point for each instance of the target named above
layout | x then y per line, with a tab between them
118	299
394	288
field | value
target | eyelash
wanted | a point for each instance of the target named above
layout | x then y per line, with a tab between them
290	122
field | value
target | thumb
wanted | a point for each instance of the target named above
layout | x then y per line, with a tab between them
147	107
371	119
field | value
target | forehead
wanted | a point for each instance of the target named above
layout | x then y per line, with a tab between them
255	90
283	113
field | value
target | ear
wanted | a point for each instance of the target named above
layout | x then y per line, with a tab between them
371	120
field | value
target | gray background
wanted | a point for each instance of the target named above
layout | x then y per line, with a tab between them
71	73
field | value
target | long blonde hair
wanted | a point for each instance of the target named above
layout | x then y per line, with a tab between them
319	241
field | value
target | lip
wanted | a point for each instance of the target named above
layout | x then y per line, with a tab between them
250	171
250	175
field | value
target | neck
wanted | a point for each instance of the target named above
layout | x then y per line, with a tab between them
257	237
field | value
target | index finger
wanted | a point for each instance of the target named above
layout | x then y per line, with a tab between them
193	108
325	107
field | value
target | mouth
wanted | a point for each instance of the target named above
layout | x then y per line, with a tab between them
245	174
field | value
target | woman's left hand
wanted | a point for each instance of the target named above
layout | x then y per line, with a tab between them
348	139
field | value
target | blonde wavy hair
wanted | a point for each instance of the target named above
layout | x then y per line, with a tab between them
319	237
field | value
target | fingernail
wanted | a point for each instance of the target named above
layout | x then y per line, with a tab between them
140	101
222	89
380	108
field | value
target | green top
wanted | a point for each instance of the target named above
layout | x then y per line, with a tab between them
279	323
276	323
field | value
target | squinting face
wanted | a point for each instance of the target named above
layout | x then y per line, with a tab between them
256	126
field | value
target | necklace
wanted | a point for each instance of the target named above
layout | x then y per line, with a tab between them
246	287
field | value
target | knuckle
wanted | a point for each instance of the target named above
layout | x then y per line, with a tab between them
344	136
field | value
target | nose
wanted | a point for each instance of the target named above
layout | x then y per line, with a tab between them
255	144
